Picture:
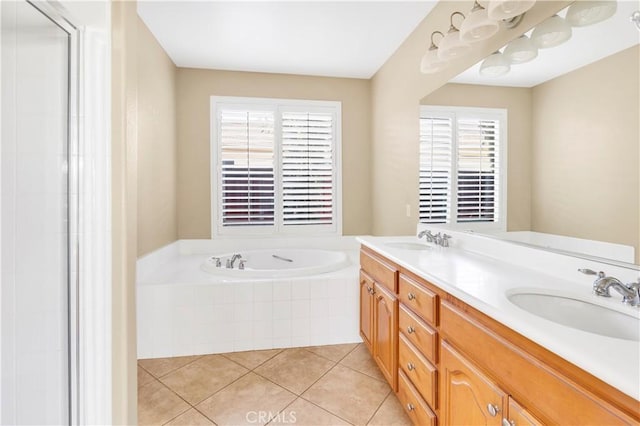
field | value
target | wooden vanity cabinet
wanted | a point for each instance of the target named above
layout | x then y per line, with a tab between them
379	313
366	309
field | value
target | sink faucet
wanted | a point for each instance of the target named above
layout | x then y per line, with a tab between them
427	234
232	260
601	286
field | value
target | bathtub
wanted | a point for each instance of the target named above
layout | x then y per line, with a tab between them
186	305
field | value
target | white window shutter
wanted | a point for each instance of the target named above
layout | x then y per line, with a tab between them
436	138
478	170
307	168
247	167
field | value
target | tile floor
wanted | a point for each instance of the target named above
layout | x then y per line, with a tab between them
323	385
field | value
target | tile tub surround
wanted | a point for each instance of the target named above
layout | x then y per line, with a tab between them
343	387
182	310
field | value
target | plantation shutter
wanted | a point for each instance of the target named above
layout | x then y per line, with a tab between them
436	138
478	168
247	167
307	168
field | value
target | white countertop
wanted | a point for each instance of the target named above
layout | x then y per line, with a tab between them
484	282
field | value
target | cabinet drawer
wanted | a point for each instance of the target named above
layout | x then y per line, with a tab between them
422	374
419	299
382	272
420	334
413	404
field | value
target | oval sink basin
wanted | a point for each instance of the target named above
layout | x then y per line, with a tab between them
406	245
579	314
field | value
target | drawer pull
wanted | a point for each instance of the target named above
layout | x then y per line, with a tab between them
410	407
506	422
493	409
410	366
411	296
410	329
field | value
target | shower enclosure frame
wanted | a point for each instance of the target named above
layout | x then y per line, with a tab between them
88	213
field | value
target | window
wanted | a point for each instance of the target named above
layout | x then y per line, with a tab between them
276	166
463	167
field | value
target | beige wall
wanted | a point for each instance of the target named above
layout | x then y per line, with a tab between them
157	155
517	102
586	138
195	87
124	119
397	89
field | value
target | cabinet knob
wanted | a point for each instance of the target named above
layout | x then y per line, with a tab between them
493	409
410	366
410	329
411	296
506	422
410	407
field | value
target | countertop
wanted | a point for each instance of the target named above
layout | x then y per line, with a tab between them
484	282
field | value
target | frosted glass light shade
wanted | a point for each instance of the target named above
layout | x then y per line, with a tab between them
477	26
507	9
520	50
431	63
451	46
583	13
551	33
495	65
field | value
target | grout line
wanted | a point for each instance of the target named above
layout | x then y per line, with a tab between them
363	373
379	406
333	360
171	371
280	350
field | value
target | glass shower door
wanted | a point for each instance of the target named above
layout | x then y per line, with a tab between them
35	216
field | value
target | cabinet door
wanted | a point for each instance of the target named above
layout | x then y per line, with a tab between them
518	416
468	397
366	310
385	338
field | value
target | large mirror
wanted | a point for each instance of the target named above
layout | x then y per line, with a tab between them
573	174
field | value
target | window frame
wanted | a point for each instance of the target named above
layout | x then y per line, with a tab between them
277	106
454	113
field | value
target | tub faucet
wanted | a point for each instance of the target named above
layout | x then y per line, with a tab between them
232	260
601	286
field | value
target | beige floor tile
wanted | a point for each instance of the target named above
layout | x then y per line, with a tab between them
143	377
360	360
190	418
157	404
203	377
304	413
348	394
295	369
333	352
390	413
252	400
252	359
162	366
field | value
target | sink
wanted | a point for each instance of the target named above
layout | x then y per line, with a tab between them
406	245
576	313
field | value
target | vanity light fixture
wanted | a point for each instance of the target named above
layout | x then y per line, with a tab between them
552	32
451	46
520	50
587	12
495	65
431	63
477	26
507	9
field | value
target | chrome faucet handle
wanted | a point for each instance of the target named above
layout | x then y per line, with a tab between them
445	240
229	264
592	272
241	264
217	261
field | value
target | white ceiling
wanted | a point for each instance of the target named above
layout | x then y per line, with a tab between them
337	39
587	45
